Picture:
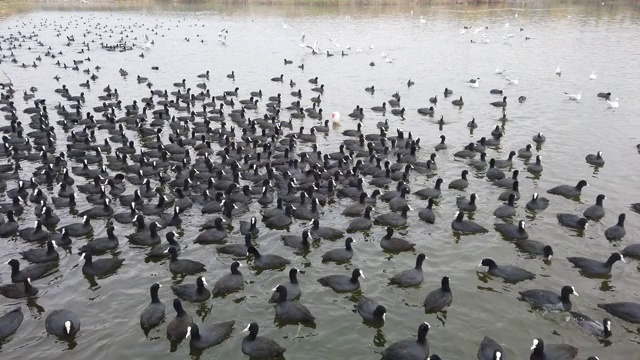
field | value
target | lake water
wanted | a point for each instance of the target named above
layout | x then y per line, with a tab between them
578	37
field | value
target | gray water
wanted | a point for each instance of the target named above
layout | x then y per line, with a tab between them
580	38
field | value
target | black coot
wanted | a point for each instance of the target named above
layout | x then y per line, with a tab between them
627	311
178	327
394	244
595	212
210	336
62	323
267	261
43	255
552	351
592	267
343	283
509	273
511	231
371	311
535	247
183	266
160	251
237	250
18	290
260	347
439	299
103	244
490	350
362	223
411	348
411	277
230	282
99	267
568	190
537	203
193	292
153	314
632	251
617	231
291	312
342	254
572	221
10	322
427	215
591	327
466	226
33	272
549	300
293	288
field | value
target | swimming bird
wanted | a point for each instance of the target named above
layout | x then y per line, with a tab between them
260	347
439	299
627	311
549	300
574	96
509	273
410	348
592	267
613	104
153	314
552	351
592	76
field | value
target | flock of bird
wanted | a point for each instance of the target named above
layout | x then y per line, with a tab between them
229	160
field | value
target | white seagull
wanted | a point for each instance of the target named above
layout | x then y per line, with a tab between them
558	71
613	104
513	81
576	97
592	76
500	71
